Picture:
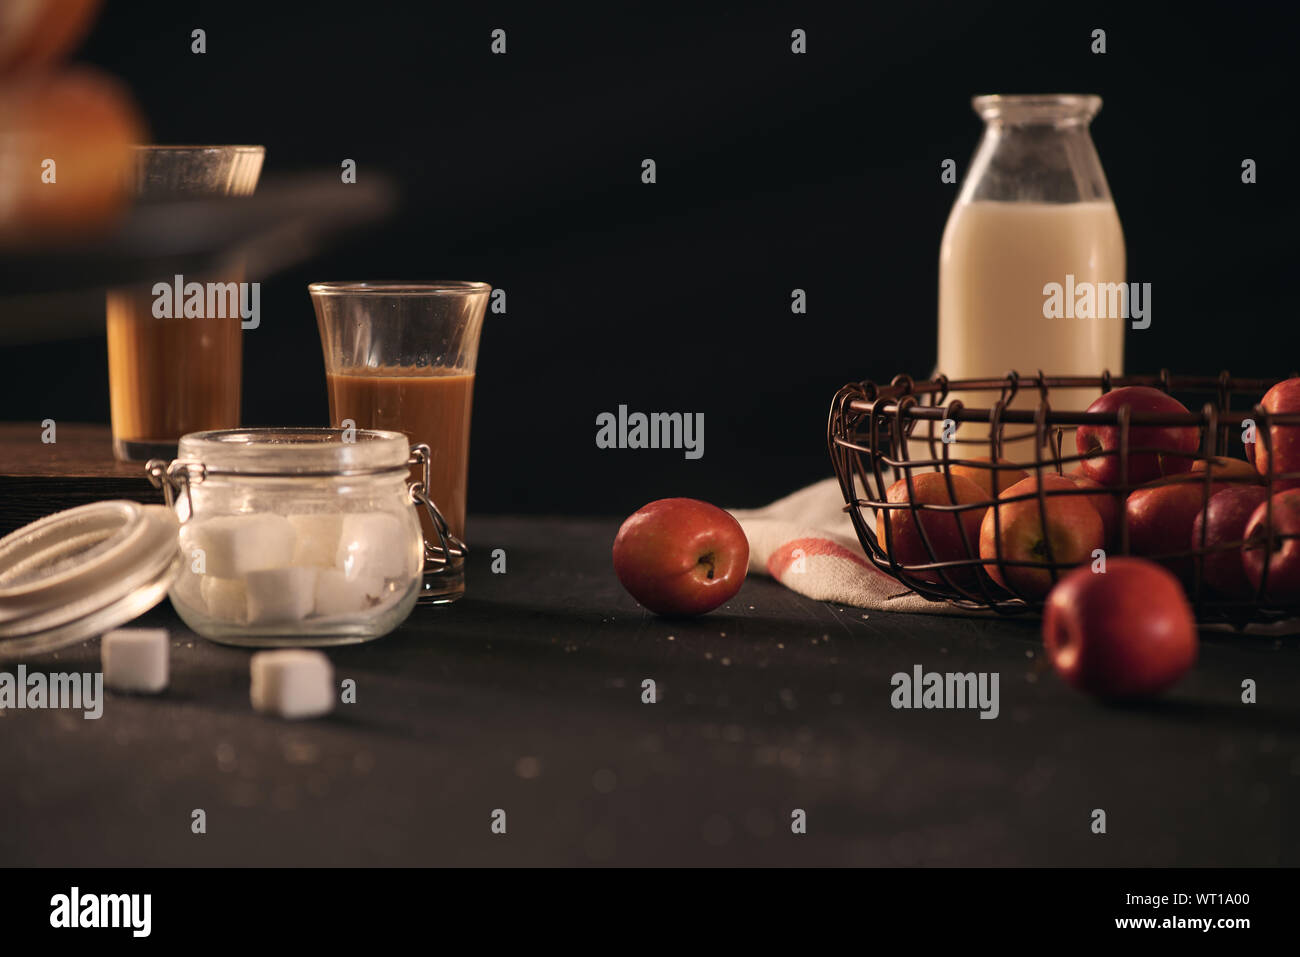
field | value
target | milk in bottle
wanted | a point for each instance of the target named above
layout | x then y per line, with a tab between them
1034	209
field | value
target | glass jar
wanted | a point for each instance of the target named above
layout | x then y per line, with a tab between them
295	536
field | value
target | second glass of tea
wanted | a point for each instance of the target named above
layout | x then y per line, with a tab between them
401	356
176	371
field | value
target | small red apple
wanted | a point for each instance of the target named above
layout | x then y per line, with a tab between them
681	556
983	475
1177	443
1074	529
1224	524
1160	518
942	528
1282	399
1124	633
1265	543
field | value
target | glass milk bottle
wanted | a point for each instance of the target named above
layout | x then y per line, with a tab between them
1034	209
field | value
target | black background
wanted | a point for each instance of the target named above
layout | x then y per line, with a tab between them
775	171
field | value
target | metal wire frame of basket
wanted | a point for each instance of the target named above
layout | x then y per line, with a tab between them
871	427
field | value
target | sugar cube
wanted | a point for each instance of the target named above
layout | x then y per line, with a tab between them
390	598
234	545
336	594
225	598
292	683
376	543
280	594
188	588
135	659
316	538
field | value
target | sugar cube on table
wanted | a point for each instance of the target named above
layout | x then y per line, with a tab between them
234	545
280	594
376	543
135	659
336	594
316	538
225	598
292	683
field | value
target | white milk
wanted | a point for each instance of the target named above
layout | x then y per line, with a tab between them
995	259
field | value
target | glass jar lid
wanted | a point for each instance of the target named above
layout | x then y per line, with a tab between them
294	451
84	571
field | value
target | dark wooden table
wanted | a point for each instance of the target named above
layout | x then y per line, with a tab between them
526	697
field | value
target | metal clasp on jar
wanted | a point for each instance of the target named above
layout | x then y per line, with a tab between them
176	476
452	547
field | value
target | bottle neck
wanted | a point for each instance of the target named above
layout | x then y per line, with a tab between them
1036	159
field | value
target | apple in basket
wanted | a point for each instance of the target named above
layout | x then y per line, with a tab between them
681	556
1276	544
1282	399
1224	527
899	530
1014	531
1128	632
1105	501
983	474
1160	518
1142	466
1226	471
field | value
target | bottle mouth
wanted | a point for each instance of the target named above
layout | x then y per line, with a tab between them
1036	108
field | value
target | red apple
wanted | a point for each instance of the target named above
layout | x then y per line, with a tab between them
1224	525
1074	529
1282	399
942	528
983	476
1160	518
680	556
1171	440
1104	501
1283	554
1124	633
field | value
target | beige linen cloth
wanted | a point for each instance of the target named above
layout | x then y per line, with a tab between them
807	543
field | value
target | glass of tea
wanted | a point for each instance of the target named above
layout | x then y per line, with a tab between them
175	347
400	356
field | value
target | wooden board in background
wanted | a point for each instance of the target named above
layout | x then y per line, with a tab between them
37	478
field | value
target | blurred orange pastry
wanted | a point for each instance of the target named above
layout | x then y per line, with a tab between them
65	154
34	33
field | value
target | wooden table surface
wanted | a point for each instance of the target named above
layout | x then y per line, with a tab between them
526	697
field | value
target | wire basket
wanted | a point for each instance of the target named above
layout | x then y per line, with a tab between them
875	432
